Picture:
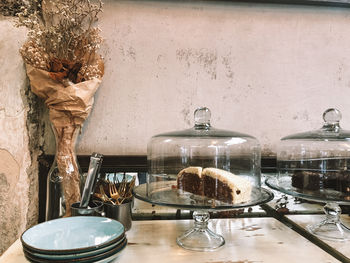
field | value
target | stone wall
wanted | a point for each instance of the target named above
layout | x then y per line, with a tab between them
18	147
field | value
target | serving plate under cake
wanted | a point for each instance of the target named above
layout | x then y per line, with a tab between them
165	193
284	185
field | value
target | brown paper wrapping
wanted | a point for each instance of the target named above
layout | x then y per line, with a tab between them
68	105
68	109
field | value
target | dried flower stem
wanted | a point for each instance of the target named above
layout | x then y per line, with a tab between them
67	164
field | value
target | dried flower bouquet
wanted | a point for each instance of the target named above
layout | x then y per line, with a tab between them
65	70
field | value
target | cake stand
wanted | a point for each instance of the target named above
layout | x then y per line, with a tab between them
200	237
331	227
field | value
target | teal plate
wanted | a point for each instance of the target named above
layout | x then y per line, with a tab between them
118	177
72	235
103	257
74	255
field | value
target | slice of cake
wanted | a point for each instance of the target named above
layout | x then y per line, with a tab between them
225	186
214	183
314	181
190	180
307	180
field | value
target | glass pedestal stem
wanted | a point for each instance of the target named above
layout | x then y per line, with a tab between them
200	237
331	227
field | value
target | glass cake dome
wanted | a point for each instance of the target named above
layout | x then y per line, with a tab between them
315	166
203	169
203	147
318	162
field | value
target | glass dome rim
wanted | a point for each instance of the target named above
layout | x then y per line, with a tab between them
204	133
319	135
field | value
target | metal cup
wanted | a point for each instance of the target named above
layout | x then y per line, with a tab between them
121	213
95	208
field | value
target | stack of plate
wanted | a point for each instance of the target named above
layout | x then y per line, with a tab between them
74	239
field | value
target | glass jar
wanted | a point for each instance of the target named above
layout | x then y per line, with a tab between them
64	180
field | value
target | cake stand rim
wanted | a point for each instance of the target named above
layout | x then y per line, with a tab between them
265	192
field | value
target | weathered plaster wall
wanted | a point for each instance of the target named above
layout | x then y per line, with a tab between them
266	70
18	173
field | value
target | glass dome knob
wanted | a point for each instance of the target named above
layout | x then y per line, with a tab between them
202	117
332	116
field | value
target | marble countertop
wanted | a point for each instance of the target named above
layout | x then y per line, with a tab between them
248	240
342	248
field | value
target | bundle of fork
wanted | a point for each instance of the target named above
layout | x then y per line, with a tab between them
118	192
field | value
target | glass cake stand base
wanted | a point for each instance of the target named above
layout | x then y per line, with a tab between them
200	237
331	227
